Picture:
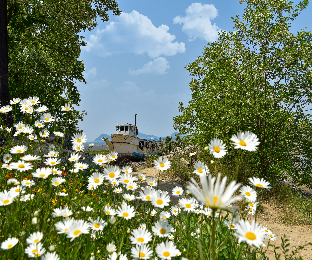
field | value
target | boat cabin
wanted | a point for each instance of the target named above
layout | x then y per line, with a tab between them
127	129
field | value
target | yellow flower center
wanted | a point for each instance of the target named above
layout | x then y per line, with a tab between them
250	204
79	140
200	170
141	239
36	240
159	202
141	254
125	214
151	183
250	236
9	246
126	181
111	175
46	119
100	160
130	187
126	171
52	162
17	190
19	151
77	232
259	185
96	225
231	226
162	231
242	143
21	166
188	205
28	183
66	108
97	180
113	156
42	175
247	193
34	251
178	192
166	254
216	149
148	197
56	183
108	212
161	165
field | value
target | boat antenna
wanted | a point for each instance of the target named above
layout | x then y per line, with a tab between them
135	119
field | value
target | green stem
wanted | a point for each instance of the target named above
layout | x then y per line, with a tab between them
213	234
237	164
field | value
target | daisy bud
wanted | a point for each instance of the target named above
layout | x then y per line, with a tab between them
34	221
22	233
92	257
198	231
128	230
112	220
212	162
52	248
206	148
36	214
92	253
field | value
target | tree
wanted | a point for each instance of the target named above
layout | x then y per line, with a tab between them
44	47
6	120
231	92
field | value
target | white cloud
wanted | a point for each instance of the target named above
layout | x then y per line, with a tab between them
134	33
197	22
158	67
90	73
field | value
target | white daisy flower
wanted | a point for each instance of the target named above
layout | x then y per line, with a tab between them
34	238
161	228
99	159
111	172
259	183
252	233
140	236
167	250
249	193
188	204
50	256
42	173
200	168
79	138
162	163
177	191
77	228
175	210
111	248
109	211
212	196
34	250
160	199
9	243
96	178
217	148
18	149
21	166
56	181
126	212
246	141
112	156
63	226
86	208
141	251
98	224
6	198
126	169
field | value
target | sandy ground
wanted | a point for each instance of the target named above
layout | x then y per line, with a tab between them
298	235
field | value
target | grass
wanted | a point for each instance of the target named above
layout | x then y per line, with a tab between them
193	231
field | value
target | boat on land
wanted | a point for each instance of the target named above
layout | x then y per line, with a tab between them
128	145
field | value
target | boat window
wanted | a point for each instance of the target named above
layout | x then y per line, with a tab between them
122	128
117	128
131	128
126	128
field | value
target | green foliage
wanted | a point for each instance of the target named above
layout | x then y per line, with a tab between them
231	92
149	159
44	47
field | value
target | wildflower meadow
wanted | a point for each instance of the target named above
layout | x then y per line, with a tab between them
53	206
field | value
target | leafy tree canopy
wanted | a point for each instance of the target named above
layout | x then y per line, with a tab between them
231	92
44	47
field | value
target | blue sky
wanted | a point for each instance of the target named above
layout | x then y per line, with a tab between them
134	64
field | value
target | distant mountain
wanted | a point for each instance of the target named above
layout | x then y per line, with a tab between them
140	135
102	135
